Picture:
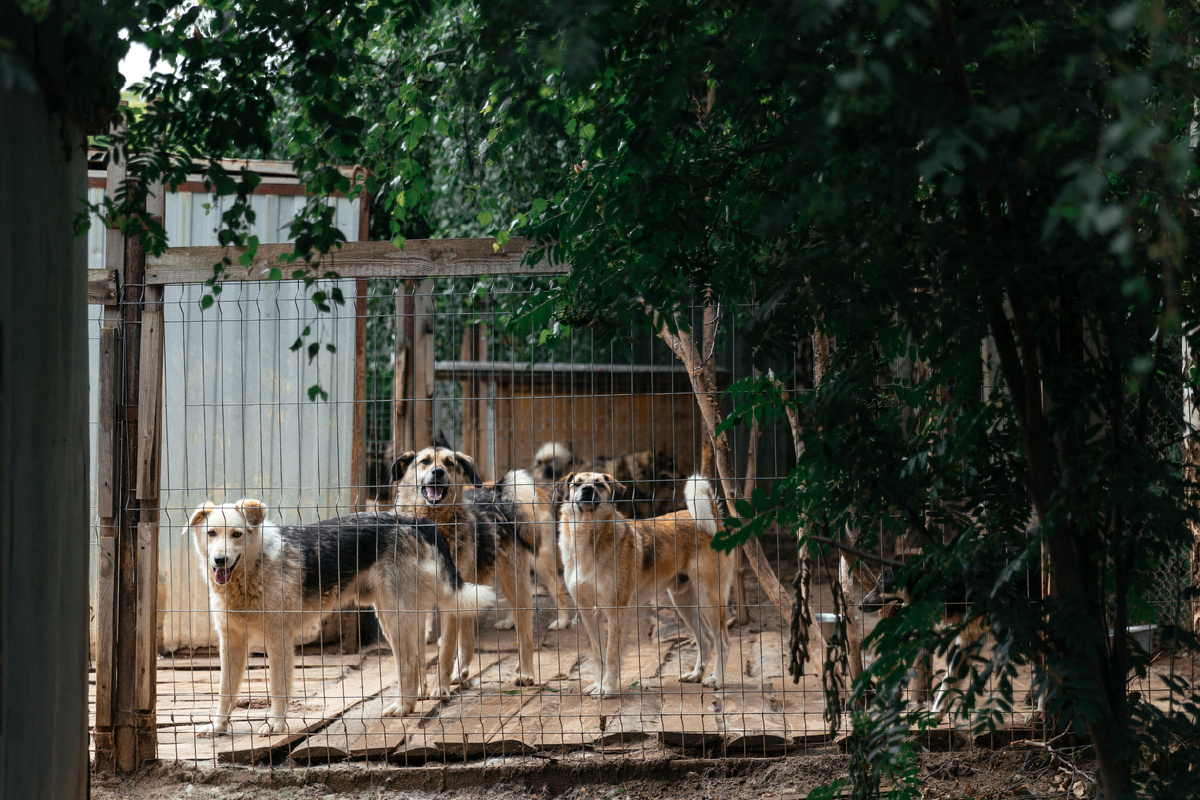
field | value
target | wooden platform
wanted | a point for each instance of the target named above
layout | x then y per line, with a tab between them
336	711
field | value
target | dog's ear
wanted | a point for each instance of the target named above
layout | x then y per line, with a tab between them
253	511
400	465
616	487
200	514
563	488
466	465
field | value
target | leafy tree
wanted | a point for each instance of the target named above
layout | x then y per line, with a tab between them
917	183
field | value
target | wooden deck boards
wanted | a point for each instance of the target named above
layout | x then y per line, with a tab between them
336	713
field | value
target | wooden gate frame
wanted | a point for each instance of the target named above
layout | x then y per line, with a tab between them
129	441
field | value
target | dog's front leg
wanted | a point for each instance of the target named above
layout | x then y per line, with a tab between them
233	669
281	656
590	616
438	685
611	659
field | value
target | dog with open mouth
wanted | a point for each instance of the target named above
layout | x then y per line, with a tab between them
264	579
490	531
610	563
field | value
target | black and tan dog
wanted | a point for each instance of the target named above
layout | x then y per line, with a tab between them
490	531
610	563
264	579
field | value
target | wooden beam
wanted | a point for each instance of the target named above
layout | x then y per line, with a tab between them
423	354
105	619
147	618
150	397
102	287
358	425
402	386
420	258
106	465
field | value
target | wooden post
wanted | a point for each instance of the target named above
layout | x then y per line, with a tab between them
359	424
107	485
129	452
423	355
402	417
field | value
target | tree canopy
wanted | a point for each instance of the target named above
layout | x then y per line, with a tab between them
1000	195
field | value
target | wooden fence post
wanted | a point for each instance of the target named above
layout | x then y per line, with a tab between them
423	356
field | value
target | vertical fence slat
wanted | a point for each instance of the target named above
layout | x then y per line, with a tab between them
423	355
147	588
104	643
149	404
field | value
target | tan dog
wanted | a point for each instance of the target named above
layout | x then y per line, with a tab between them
490	530
610	562
264	579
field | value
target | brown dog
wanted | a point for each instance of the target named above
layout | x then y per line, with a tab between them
610	562
490	531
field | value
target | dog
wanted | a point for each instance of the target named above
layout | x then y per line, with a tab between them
609	562
263	578
490	531
547	565
650	480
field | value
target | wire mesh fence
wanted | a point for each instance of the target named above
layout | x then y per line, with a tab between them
442	443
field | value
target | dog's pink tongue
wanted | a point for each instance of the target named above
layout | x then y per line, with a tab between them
434	493
222	575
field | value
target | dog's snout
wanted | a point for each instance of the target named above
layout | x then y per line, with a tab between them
587	492
437	474
220	561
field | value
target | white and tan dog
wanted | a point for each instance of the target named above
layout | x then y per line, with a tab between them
610	563
264	579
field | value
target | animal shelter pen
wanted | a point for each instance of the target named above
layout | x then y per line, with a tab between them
194	405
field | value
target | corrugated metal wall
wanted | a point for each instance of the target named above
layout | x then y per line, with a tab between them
237	420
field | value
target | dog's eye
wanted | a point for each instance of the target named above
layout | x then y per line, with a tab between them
236	534
212	534
450	463
425	462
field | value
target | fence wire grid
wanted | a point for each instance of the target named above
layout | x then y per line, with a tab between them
448	361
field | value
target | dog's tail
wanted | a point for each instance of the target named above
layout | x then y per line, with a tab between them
698	494
516	496
453	592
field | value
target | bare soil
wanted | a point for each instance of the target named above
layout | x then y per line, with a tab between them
971	773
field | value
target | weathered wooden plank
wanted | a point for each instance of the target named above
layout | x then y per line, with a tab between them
420	258
348	692
105	621
106	464
423	355
149	405
358	423
102	287
752	721
689	717
147	616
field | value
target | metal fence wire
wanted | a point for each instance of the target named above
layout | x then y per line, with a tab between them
455	362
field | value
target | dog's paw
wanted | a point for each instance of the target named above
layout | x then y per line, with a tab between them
273	725
608	691
523	679
712	682
692	677
435	689
560	624
592	688
506	624
400	708
214	728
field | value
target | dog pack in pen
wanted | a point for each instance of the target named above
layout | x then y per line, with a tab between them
575	618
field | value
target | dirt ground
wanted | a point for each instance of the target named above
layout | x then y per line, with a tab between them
1012	772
